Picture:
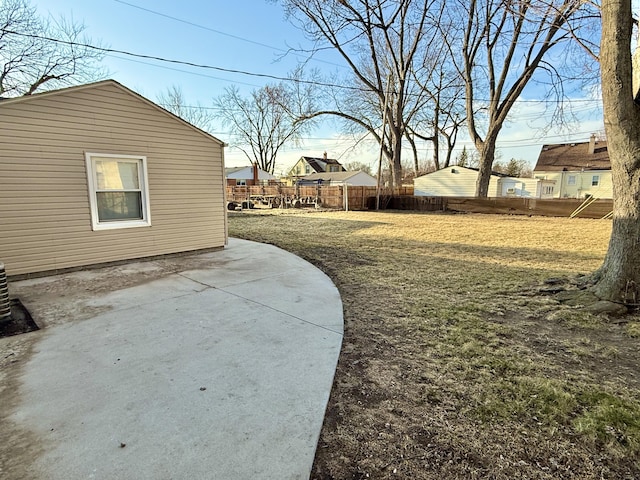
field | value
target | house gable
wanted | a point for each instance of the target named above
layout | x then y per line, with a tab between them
309	165
97	85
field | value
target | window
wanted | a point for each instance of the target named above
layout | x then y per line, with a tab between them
334	168
571	180
118	191
548	190
241	182
595	180
307	169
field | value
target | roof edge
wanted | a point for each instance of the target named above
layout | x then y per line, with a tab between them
85	86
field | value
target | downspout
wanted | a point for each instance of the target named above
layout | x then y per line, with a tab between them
5	303
224	197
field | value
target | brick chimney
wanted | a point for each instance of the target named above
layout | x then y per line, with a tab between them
255	173
592	144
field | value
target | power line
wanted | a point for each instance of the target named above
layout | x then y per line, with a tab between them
219	32
226	70
193	24
182	71
178	62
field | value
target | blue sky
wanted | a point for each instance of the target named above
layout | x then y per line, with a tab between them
252	36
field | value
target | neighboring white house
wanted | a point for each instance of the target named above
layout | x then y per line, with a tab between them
461	182
247	176
579	169
354	179
526	187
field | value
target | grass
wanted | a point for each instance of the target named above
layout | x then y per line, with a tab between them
453	364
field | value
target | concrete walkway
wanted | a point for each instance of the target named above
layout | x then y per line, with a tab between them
210	366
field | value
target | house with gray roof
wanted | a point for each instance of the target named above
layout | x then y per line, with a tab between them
309	165
248	175
354	179
579	169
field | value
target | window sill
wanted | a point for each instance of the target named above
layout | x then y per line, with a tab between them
119	225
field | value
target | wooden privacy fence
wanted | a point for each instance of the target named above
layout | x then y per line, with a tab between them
329	196
502	205
364	198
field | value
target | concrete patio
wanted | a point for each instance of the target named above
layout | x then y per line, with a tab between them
209	366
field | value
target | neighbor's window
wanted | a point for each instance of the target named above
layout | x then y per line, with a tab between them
118	191
595	180
241	182
571	180
307	169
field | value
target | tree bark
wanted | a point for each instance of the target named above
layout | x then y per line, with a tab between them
396	163
618	279
487	154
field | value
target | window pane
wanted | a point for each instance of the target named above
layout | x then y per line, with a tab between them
117	175
119	206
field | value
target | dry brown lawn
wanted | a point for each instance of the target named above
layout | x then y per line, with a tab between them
454	364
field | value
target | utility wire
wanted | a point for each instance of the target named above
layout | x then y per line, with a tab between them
173	69
193	24
209	29
178	62
219	69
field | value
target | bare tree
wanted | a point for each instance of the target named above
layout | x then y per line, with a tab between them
514	168
382	44
32	60
173	100
618	279
355	165
504	44
442	113
267	119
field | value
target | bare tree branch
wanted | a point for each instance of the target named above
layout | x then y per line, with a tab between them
267	119
29	63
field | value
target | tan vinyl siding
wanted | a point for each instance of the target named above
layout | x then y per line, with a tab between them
45	216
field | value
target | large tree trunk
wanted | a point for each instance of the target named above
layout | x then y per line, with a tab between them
618	279
396	162
487	151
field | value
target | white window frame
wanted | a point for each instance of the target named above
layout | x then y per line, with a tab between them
92	181
595	180
571	179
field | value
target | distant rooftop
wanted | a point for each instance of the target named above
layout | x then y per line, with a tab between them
573	157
